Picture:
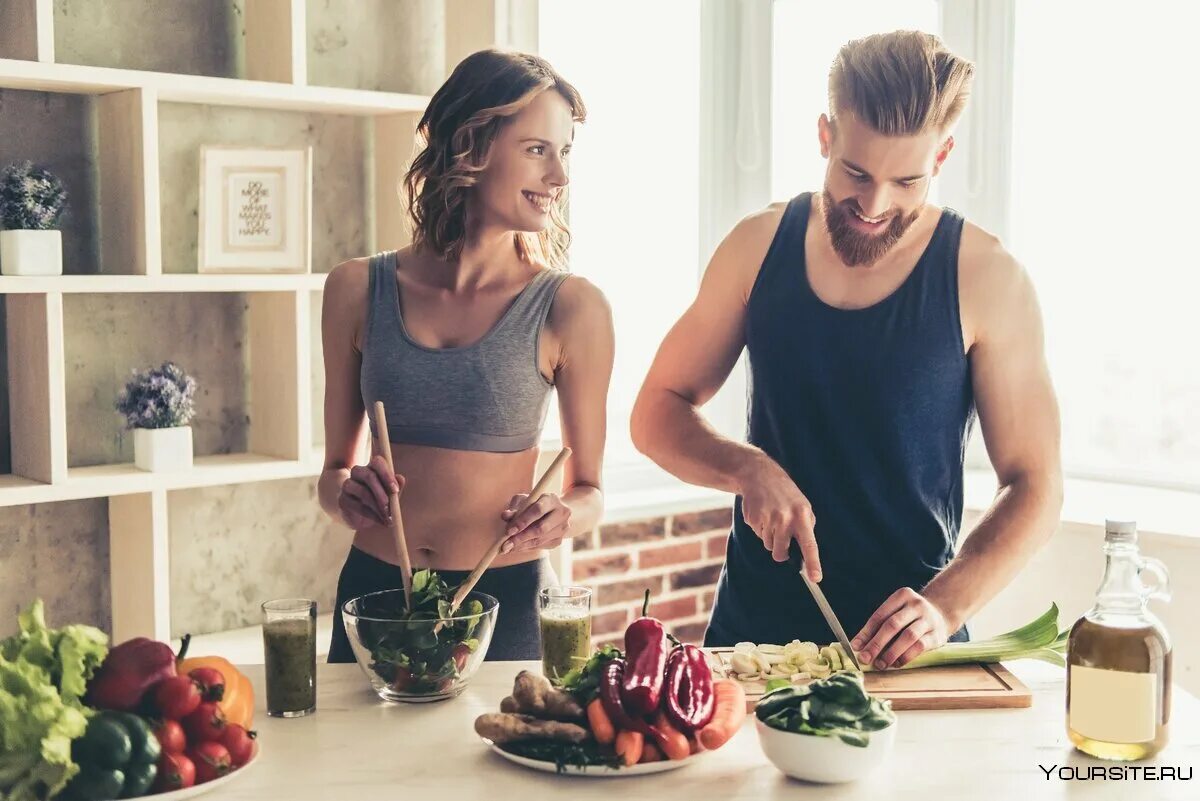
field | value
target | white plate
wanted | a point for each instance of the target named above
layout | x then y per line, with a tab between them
601	771
201	789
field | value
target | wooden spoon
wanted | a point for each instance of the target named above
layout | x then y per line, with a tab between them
385	445
539	489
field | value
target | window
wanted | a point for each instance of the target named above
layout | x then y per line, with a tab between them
635	180
1102	206
807	36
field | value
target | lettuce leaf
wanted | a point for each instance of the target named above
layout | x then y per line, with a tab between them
43	676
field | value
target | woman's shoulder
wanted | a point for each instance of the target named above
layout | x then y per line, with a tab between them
579	307
345	293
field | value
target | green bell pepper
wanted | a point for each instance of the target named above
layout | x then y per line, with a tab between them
118	758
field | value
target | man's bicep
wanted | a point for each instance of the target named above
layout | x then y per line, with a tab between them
1018	410
700	350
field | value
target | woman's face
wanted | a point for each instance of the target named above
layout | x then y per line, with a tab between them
527	166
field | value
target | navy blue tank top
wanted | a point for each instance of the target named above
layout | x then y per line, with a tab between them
869	411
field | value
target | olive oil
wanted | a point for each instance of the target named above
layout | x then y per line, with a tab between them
1119	658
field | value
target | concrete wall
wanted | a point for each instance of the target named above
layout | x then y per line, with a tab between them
196	37
382	45
57	552
234	547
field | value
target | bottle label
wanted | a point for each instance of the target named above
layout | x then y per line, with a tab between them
1113	706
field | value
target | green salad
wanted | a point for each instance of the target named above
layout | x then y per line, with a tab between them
838	706
409	649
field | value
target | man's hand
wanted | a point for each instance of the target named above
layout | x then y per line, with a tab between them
778	512
905	626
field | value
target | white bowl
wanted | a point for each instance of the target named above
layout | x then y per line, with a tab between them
824	759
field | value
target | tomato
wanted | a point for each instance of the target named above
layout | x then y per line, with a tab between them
460	654
171	737
403	680
240	744
176	697
211	682
211	761
206	724
175	772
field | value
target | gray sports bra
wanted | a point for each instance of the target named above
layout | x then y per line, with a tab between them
486	396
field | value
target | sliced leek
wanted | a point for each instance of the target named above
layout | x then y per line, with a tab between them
801	661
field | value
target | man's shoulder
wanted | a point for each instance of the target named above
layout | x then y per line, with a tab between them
994	287
760	226
984	263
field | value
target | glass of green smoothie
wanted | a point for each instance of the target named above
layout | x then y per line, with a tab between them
290	651
566	622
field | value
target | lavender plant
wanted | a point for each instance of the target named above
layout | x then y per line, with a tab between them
31	198
158	398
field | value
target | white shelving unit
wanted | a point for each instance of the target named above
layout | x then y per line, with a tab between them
281	443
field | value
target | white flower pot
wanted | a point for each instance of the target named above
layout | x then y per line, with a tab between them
31	252
163	449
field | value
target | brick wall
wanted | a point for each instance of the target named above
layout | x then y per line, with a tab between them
678	558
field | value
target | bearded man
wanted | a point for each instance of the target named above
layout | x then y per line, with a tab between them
878	326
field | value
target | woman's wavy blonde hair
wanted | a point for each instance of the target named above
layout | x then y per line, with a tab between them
454	138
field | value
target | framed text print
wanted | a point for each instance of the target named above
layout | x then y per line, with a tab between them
254	210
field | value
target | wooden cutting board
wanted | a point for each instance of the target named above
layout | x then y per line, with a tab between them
975	686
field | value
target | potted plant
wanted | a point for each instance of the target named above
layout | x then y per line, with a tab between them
157	404
32	201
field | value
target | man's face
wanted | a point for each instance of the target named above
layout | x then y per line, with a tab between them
875	185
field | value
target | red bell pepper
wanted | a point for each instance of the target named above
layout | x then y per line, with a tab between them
646	652
610	699
690	701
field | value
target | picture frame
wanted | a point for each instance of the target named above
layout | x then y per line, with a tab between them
255	210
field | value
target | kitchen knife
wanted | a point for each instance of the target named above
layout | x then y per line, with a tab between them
826	610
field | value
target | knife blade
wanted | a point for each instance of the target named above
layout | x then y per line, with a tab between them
827	612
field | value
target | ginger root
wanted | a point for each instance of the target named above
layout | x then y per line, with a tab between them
534	695
509	704
502	727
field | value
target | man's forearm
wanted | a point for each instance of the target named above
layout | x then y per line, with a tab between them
673	433
1018	523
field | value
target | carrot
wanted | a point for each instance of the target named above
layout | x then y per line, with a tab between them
728	714
600	723
674	743
650	753
629	746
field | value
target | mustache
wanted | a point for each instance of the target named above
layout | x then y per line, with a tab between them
854	208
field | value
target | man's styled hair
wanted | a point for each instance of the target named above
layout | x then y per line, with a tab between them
900	84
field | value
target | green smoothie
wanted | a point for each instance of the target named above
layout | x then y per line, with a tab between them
290	650
566	640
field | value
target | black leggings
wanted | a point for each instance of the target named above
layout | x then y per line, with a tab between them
516	636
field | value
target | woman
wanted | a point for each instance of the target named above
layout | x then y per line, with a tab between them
463	335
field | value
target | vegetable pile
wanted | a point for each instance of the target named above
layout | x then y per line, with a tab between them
656	700
800	662
84	723
423	650
838	706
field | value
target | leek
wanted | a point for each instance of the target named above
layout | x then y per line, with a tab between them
1038	639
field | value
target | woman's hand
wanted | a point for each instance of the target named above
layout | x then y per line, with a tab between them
363	499
542	525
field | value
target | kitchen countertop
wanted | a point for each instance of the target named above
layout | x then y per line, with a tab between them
357	747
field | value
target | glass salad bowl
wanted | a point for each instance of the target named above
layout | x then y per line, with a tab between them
420	655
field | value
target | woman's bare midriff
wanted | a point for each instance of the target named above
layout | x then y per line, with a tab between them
451	506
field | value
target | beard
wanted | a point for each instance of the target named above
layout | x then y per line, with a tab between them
853	246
